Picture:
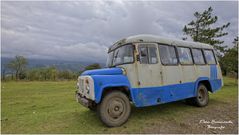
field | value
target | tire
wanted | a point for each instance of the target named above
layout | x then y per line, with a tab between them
114	109
92	108
202	97
189	101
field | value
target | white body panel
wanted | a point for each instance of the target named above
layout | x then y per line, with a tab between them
131	72
202	70
188	73
171	75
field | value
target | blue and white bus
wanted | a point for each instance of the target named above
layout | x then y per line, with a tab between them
147	70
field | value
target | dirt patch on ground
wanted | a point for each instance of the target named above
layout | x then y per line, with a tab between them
217	118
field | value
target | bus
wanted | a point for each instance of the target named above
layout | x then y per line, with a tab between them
147	70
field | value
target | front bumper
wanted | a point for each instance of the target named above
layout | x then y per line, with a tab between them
82	100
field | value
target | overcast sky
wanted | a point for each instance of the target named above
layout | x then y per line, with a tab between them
82	31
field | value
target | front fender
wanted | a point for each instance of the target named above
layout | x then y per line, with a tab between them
103	81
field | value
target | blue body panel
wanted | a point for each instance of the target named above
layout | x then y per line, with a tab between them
147	96
213	72
104	81
163	94
104	71
216	84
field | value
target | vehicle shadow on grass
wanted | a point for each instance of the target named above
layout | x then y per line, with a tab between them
90	117
140	116
162	108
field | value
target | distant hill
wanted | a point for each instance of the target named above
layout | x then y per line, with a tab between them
60	64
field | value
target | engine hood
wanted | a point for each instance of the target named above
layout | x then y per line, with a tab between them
104	71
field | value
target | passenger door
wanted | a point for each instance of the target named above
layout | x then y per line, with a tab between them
148	65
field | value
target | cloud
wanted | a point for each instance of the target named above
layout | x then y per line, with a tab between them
83	30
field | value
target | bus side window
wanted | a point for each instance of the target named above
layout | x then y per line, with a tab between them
148	55
184	55
168	55
143	55
152	55
198	56
209	55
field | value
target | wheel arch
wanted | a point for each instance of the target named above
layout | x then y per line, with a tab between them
205	81
105	83
207	84
124	89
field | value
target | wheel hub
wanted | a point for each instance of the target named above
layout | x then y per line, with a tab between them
201	95
115	109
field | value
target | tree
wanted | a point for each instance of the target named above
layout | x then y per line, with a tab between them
235	42
66	74
201	29
91	67
229	62
18	65
3	72
51	73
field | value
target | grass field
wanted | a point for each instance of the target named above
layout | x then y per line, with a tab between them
50	107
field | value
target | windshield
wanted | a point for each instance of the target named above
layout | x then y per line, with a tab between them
121	55
109	59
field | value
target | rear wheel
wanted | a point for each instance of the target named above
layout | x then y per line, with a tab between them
114	109
202	97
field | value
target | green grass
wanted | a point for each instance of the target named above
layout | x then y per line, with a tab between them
50	107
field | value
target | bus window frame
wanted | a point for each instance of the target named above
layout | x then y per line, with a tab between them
147	46
175	49
190	53
205	62
213	56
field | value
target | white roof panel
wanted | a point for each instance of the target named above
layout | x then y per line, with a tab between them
145	38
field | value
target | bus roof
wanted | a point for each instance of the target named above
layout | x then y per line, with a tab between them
145	38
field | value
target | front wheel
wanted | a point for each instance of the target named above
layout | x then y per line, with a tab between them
114	109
